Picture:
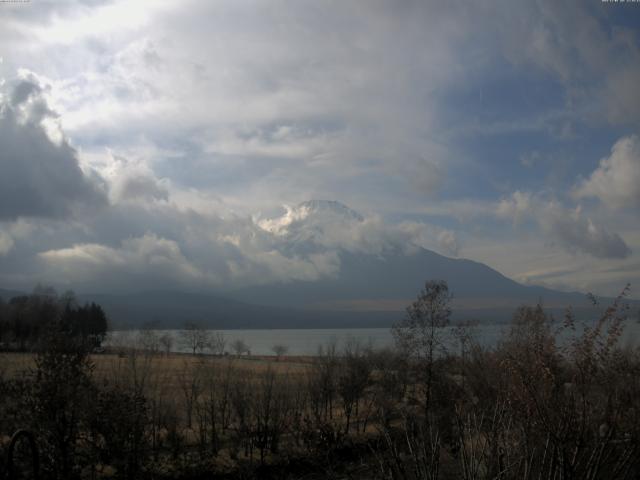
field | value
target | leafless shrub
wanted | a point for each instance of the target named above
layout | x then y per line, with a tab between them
195	337
353	380
280	350
239	347
166	342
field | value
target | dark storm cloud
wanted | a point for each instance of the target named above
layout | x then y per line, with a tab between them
23	91
39	177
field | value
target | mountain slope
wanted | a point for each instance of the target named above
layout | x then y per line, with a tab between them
380	268
173	309
390	282
5	295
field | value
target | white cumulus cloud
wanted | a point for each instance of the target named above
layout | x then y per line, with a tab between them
616	182
6	243
570	228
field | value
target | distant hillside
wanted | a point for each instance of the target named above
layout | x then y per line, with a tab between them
391	281
173	309
164	309
370	291
8	294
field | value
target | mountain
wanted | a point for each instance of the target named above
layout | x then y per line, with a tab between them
386	275
5	295
375	273
165	309
368	283
314	226
369	291
330	208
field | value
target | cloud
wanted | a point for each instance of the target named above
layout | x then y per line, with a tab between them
616	182
23	91
448	242
131	181
279	104
594	59
574	231
309	101
39	177
142	187
517	207
206	252
528	160
148	259
272	266
180	249
6	243
321	225
571	229
623	101
191	250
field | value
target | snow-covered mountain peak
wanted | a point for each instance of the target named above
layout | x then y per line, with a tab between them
330	207
312	214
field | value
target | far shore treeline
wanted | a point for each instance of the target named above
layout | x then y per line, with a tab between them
27	320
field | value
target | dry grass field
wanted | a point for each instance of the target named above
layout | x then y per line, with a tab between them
12	364
172	370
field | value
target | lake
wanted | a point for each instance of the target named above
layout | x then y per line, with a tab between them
307	341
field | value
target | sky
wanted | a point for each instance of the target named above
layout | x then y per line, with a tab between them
164	144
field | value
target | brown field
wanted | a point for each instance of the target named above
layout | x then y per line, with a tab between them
12	364
171	366
170	377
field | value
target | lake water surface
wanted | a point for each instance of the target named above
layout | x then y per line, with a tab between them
307	341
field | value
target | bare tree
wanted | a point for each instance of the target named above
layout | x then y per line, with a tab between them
191	387
353	379
148	339
218	343
195	337
166	341
322	382
280	350
239	347
420	332
214	409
